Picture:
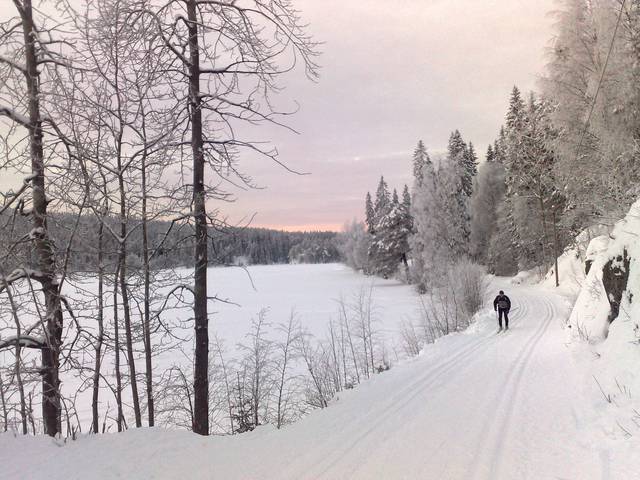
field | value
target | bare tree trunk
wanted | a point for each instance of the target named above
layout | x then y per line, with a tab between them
353	352
31	419
556	247
544	229
3	400
226	384
343	353
201	319
18	355
147	282
42	241
336	363
286	347
116	334
100	339
370	331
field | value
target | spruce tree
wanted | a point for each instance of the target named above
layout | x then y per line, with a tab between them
420	158
490	156
460	164
424	215
406	197
390	245
383	201
469	169
370	214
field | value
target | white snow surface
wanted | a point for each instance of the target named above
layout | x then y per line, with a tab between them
474	405
610	353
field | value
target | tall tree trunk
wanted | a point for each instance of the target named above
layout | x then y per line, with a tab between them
42	242
544	229
3	400
201	320
147	301
99	341
116	335
556	246
124	293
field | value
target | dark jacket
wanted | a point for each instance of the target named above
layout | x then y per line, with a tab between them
504	298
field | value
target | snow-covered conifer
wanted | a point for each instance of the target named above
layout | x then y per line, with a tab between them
369	213
420	158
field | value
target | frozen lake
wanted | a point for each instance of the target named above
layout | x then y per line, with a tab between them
313	291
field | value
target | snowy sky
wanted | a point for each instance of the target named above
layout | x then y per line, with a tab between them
393	72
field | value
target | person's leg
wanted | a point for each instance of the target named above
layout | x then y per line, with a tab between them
500	318
506	320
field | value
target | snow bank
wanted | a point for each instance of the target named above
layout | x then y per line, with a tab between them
611	350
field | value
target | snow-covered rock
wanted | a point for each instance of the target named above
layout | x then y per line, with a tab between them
604	324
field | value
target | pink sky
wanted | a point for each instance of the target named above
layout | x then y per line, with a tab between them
393	72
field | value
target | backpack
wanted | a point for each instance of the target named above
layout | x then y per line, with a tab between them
503	304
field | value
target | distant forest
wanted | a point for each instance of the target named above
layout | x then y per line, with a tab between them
171	245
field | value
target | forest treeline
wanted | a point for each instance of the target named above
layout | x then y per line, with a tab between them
172	247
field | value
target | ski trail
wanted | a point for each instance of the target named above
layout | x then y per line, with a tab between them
382	420
392	406
507	403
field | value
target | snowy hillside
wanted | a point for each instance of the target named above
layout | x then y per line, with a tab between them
472	405
604	323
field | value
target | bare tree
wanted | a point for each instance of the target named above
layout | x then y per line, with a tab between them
291	332
27	60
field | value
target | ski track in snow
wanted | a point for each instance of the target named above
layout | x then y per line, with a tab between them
508	401
354	453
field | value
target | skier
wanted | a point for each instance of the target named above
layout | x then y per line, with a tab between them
502	305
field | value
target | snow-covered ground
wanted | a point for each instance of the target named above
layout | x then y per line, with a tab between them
312	291
473	405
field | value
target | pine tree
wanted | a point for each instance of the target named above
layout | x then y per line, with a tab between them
406	204
469	169
378	256
490	156
422	211
390	245
383	200
420	158
485	202
369	214
460	162
457	147
440	223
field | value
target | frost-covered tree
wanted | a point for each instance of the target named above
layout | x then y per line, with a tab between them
389	246
370	213
382	206
502	258
406	205
490	155
420	158
441	222
383	200
354	246
487	198
460	163
422	212
469	168
592	81
531	189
